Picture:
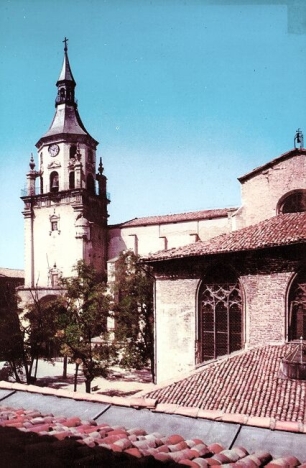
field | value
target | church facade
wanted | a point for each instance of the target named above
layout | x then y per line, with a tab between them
241	289
226	279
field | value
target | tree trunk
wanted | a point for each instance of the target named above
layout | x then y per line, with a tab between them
152	366
65	362
14	369
87	385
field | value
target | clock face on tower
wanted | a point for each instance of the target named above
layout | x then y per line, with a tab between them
53	150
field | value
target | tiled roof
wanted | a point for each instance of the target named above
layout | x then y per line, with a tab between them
288	154
135	442
247	384
127	442
284	229
175	218
10	273
246	389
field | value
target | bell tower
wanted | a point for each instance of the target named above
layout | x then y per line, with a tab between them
65	204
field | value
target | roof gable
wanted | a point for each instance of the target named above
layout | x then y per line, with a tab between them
283	157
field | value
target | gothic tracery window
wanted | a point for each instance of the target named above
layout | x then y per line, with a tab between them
220	319
297	308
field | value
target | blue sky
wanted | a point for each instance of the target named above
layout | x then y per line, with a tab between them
183	96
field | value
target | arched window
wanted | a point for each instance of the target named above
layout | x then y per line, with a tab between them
293	202
297	308
220	315
71	180
72	151
62	93
90	184
41	184
54	182
90	156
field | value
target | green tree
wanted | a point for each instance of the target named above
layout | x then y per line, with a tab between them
133	311
25	337
81	315
40	332
11	342
11	345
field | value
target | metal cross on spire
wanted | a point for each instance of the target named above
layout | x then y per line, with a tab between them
65	40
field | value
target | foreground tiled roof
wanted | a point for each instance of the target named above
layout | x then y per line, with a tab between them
11	273
173	450
284	229
175	218
245	390
247	384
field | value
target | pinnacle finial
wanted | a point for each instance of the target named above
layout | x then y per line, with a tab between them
65	41
101	168
32	163
78	152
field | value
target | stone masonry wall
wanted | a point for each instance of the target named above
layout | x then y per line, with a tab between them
175	327
261	193
265	307
152	238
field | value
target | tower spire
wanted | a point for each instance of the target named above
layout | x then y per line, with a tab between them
65	40
65	82
66	119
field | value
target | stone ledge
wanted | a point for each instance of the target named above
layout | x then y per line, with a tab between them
258	421
167	408
189	411
216	415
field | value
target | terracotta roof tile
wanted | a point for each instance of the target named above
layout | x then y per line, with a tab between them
222	388
280	230
174	448
175	218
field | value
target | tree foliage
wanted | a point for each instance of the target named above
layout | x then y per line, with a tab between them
81	315
11	343
25	337
133	311
64	325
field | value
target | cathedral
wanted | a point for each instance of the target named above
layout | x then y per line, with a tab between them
226	279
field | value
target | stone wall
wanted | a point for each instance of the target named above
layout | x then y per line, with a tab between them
144	240
175	327
261	192
80	234
265	308
265	277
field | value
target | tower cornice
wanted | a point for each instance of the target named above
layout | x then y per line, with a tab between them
50	137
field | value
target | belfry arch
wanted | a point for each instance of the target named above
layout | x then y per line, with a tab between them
220	314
